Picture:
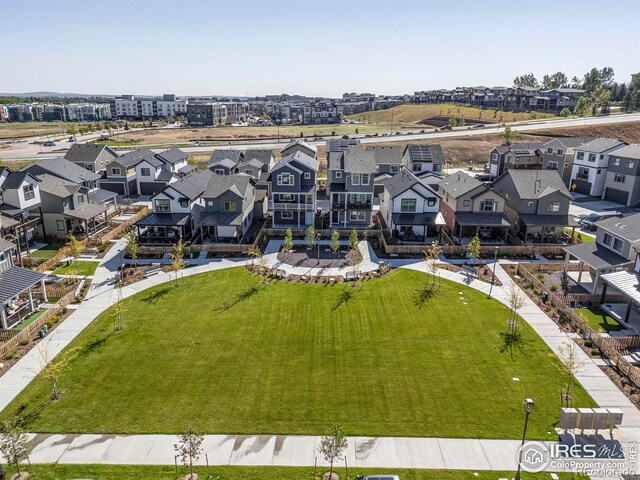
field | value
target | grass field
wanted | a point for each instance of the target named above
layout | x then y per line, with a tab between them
77	268
599	319
47	251
230	355
152	472
31	129
412	114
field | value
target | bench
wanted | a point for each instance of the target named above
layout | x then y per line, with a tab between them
152	269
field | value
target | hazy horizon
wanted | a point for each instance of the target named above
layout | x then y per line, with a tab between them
255	48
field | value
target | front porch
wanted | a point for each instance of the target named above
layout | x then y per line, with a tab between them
16	295
422	228
492	228
87	220
164	228
535	229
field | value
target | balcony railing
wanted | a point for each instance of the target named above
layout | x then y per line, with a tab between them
351	206
302	207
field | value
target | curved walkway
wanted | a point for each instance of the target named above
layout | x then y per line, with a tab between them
289	450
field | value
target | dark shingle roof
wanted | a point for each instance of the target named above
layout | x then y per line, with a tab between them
387	154
219	184
630	151
57	186
403	181
86	152
6	245
101	195
535	183
459	184
15	179
425	152
359	160
309	146
262	155
486	219
173	155
63	168
225	154
220	218
134	157
164	219
627	227
600	145
298	157
595	255
193	185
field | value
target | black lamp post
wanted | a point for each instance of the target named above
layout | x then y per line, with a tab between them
318	243
528	408
493	277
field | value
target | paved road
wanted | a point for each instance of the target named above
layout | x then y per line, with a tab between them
12	154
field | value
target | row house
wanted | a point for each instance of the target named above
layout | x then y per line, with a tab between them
92	156
558	153
293	190
423	158
157	170
590	164
622	183
537	204
389	160
253	162
300	146
470	208
557	99
322	112
514	156
410	208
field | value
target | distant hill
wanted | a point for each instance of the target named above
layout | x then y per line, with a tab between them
53	95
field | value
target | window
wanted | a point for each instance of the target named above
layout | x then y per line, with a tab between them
162	206
286	197
116	171
592	157
365	179
488	206
408	205
616	162
553	207
560	151
184	202
606	239
549	150
229	206
357	216
466	203
307	175
60	225
355	179
88	166
431	202
619	178
209	203
629	163
495	156
580	156
29	193
145	172
338	174
552	166
81	198
395	168
219	171
248	171
286	215
357	198
285	179
617	244
530	203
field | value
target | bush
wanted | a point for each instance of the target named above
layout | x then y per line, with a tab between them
24	341
540	277
588	343
595	352
11	354
553	288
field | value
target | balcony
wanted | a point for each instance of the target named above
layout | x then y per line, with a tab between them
295	207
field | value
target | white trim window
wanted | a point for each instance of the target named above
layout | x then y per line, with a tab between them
630	163
408	205
339	174
219	171
365	179
552	166
431	202
307	175
488	205
618	245
285	179
60	225
229	206
145	172
357	216
553	207
162	205
29	192
116	171
286	215
580	156
355	179
616	162
395	168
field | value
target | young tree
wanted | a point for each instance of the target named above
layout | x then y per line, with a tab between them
431	256
189	448
75	247
581	107
287	245
565	112
508	134
474	248
14	443
353	239
335	242
133	247
119	309
332	445
50	370
177	258
453	122
310	236
564	282
570	356
461	122
516	302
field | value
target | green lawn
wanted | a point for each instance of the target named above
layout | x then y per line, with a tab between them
77	268
46	252
227	354
583	236
598	318
153	472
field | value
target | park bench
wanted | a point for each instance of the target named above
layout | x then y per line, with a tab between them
152	269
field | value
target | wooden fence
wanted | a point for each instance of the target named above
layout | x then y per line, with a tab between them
607	345
29	332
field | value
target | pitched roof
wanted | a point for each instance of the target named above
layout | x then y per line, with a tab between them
424	152
359	160
192	186
6	245
297	157
570	142
134	157
225	162
87	211
600	145
630	151
16	280
595	255
173	155
387	154
338	144
532	184
219	184
63	168
220	154
300	143
263	155
57	186
403	181
525	149
459	184
87	152
626	227
15	179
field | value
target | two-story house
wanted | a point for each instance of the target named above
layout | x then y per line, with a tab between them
614	248
293	190
224	161
72	172
410	207
389	160
120	175
622	184
557	154
515	156
229	208
350	175
423	157
471	208
66	209
590	163
257	163
156	171
92	156
299	146
537	204
176	211
19	197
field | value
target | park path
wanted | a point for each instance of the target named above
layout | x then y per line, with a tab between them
437	453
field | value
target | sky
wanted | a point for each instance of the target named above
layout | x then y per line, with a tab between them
319	48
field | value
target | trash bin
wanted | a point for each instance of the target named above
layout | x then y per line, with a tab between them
545	297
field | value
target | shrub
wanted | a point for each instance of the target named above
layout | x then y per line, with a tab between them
11	354
553	288
595	352
24	341
588	343
540	277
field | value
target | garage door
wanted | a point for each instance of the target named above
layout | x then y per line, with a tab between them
113	187
150	188
617	196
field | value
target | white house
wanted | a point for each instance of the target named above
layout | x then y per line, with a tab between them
590	162
156	171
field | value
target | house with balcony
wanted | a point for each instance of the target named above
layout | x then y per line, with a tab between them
614	249
556	99
92	156
537	205
74	173
230	208
350	176
299	146
590	164
470	208
157	170
66	209
176	211
293	189
423	157
622	183
224	161
410	208
557	154
515	156
19	207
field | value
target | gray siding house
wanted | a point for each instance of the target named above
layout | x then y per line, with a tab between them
515	156
622	184
557	154
91	156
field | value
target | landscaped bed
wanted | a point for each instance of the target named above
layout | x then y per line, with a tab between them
228	354
77	268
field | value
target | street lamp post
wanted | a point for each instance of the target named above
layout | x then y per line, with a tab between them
495	261
318	243
528	407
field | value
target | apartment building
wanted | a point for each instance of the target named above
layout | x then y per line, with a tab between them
148	108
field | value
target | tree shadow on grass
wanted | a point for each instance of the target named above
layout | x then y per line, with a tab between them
343	297
241	297
424	294
512	343
156	295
